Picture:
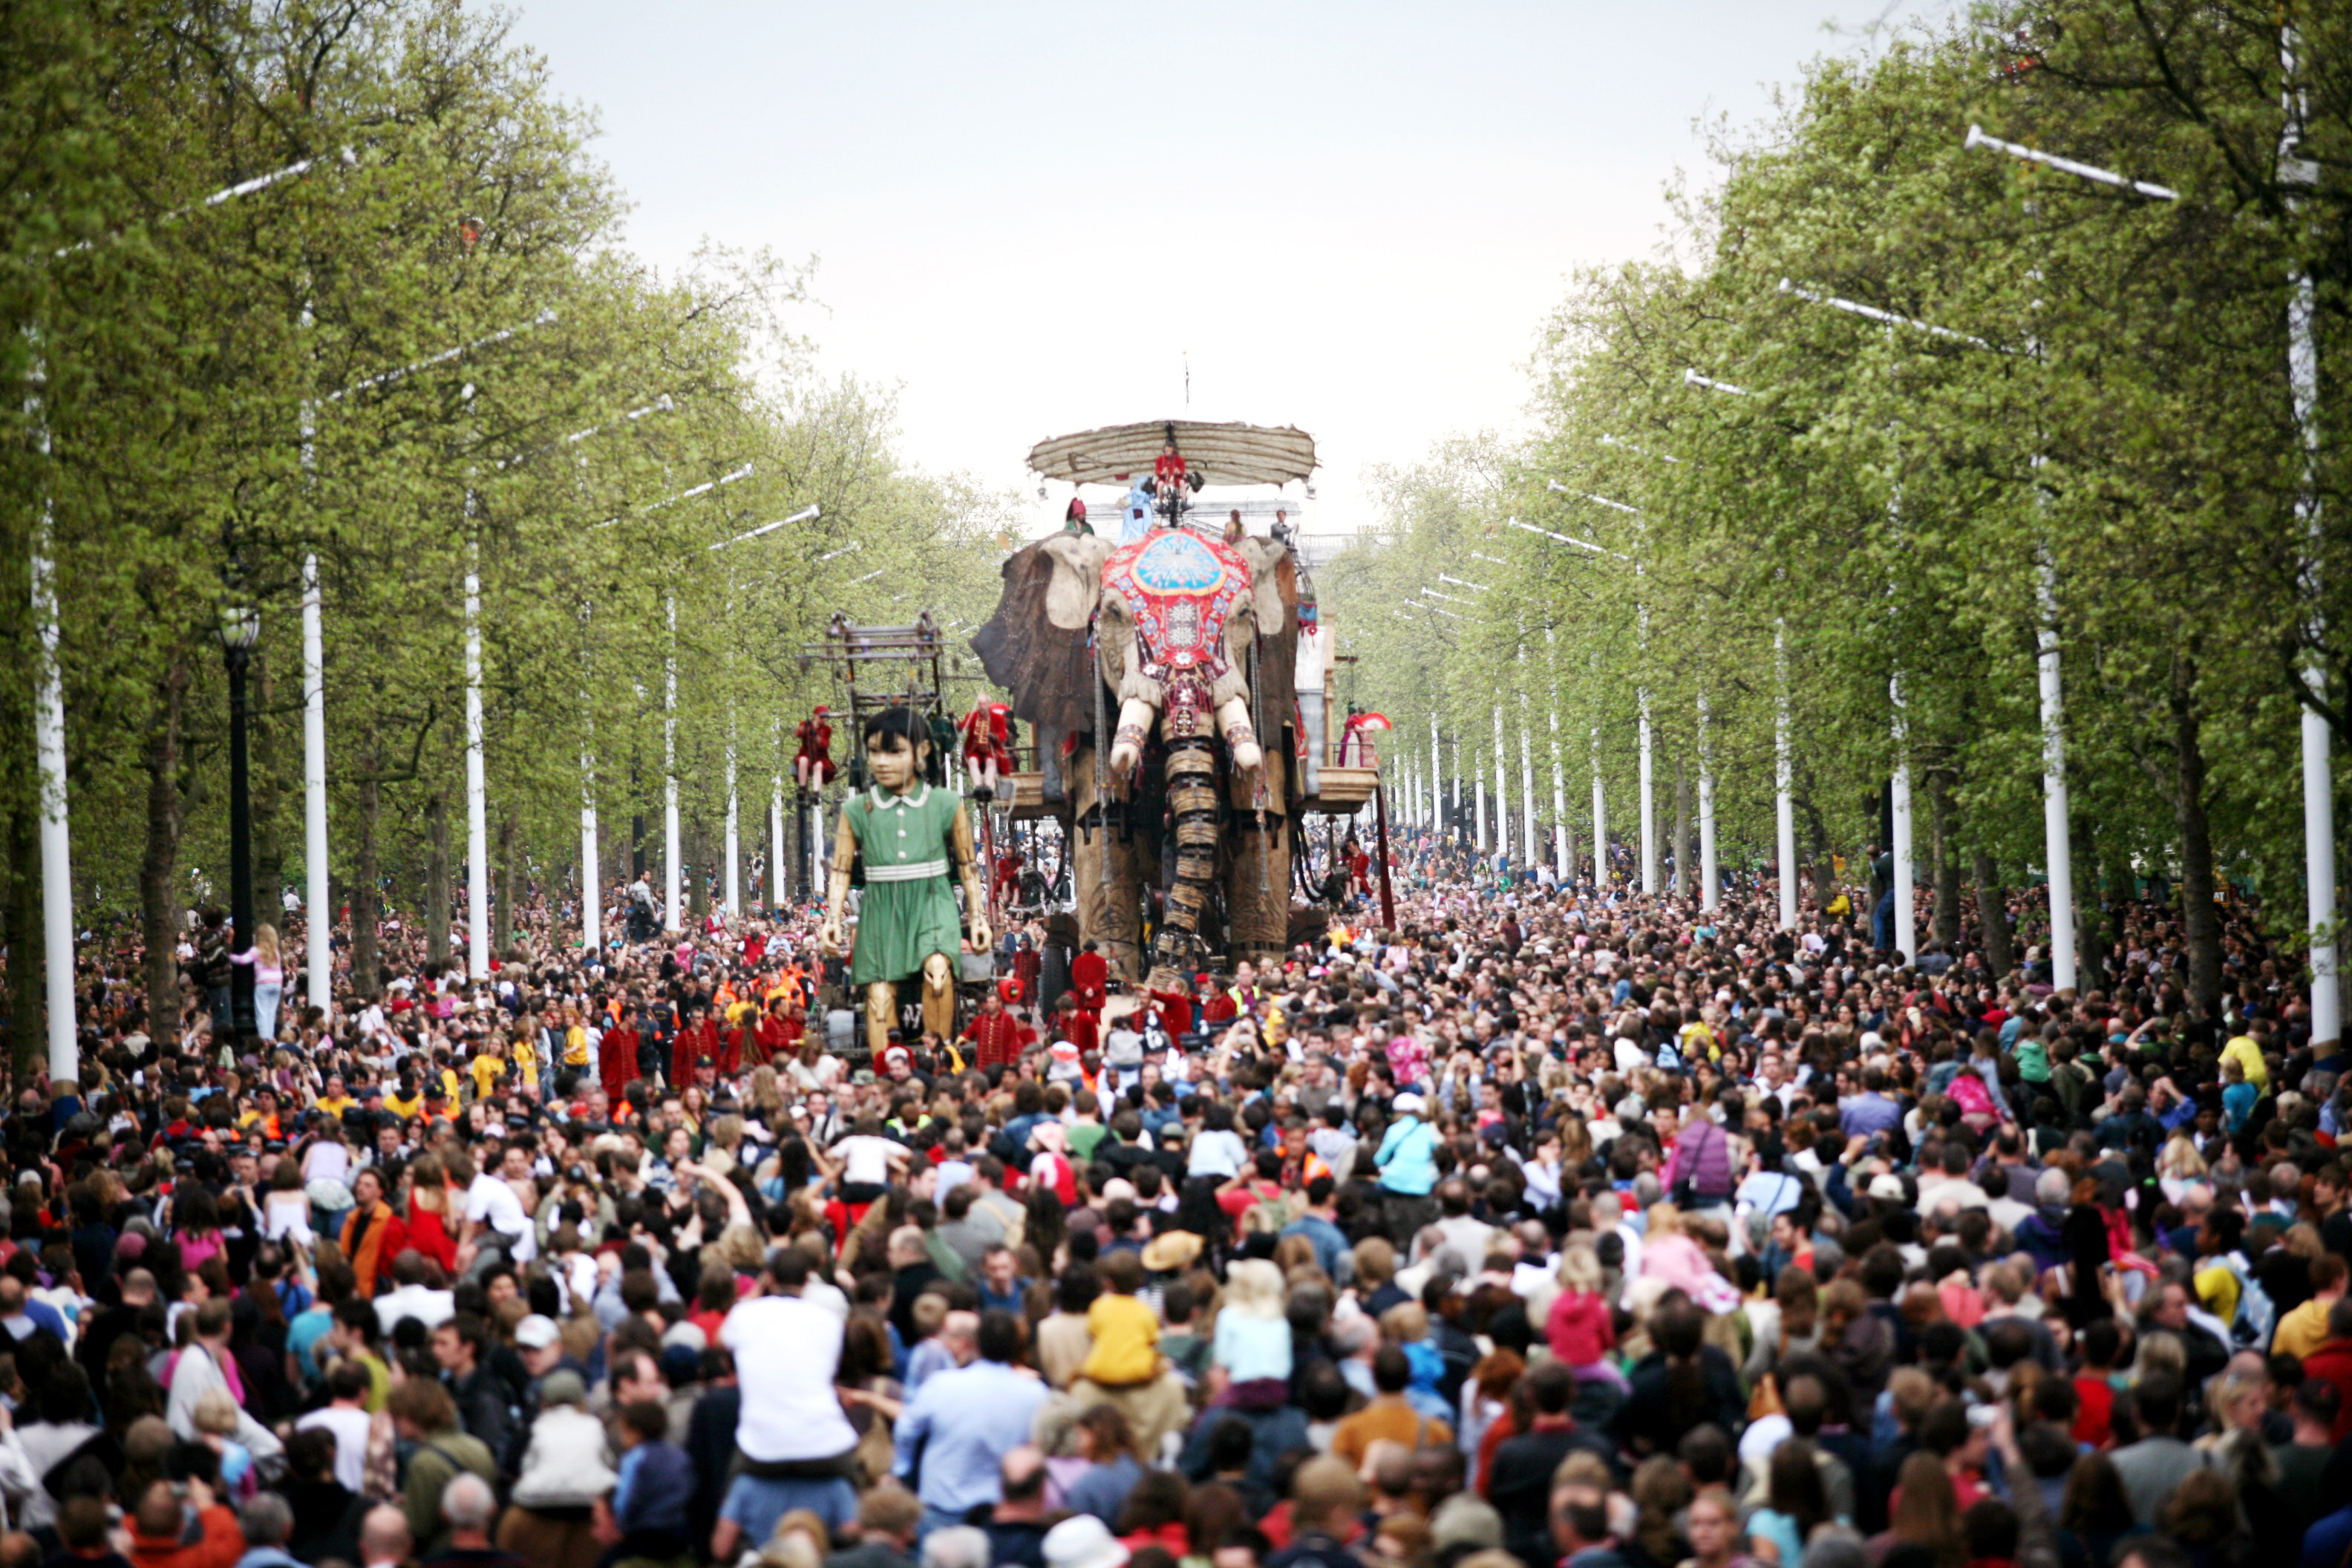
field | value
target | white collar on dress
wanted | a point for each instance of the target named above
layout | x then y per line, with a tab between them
914	797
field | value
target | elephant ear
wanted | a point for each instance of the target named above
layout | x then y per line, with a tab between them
1076	581
1274	583
1278	640
1269	621
1035	645
1274	597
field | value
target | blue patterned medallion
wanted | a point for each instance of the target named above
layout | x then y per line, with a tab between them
1174	562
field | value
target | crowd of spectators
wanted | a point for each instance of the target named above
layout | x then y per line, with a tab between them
1539	1224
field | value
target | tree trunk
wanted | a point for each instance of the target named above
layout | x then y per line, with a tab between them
159	865
2198	915
505	930
636	819
1683	857
26	941
436	879
366	878
1943	824
268	795
1817	849
2120	893
1992	914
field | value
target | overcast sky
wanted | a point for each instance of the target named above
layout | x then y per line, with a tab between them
1351	217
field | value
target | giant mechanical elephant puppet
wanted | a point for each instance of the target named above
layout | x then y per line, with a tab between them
1175	617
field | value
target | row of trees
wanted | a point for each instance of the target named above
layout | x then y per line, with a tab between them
2073	414
423	355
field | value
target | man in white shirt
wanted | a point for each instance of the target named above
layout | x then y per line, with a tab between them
1953	1186
1608	1212
1466	1238
786	1351
494	1215
345	1418
414	1298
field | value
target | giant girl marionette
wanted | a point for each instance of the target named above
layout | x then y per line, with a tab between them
911	838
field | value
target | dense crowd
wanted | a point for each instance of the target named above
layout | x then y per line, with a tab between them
1542	1224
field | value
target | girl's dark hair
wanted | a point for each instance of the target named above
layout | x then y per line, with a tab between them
1679	1329
903	722
1157	1500
865	1349
195	1212
1796	1486
2096	1503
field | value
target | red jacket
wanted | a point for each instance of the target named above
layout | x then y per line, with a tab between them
1090	978
995	1038
616	1060
220	1544
2332	1364
778	1038
693	1045
1078	1027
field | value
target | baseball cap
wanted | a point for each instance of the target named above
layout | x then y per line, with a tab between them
535	1332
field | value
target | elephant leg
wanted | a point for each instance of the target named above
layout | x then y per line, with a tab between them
881	1016
1108	876
939	996
1193	806
1135	718
1233	723
1257	889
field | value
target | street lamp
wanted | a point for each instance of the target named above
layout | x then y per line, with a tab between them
239	628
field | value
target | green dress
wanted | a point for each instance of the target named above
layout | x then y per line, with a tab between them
908	911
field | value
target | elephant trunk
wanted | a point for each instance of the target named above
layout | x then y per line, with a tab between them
1193	806
1135	717
1234	719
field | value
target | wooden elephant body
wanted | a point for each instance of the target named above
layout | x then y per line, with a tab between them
1191	638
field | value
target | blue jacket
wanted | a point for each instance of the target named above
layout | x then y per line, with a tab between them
1408	1157
655	1491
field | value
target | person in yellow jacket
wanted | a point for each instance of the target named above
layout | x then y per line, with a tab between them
2244	1050
2303	1329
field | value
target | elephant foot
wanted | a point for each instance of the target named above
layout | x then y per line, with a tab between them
1127	754
1123	761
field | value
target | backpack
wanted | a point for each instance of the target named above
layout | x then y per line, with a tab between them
1266	1216
2257	1314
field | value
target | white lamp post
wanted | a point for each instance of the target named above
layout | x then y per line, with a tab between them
2303	380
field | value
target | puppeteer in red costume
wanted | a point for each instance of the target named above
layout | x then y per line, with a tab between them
812	763
988	746
1007	886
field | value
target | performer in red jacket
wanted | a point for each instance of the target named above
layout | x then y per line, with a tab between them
616	1057
1090	978
988	747
1075	1024
696	1045
994	1034
780	1032
812	763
